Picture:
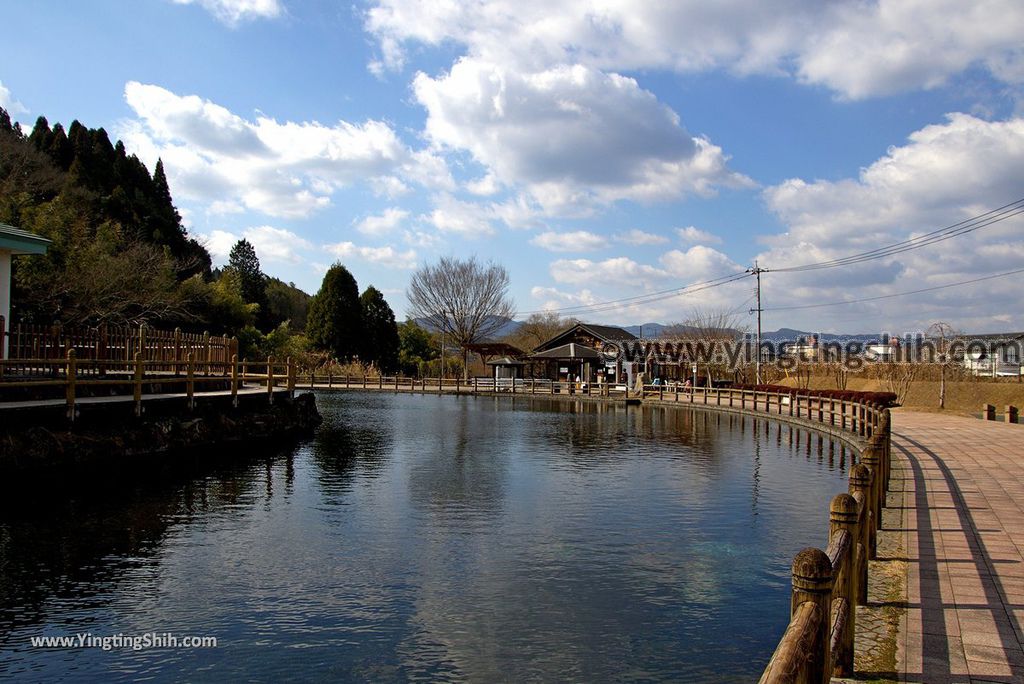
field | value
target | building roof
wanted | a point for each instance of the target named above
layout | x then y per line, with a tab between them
605	333
490	348
506	361
569	352
20	241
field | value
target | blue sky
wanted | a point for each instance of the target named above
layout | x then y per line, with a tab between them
598	150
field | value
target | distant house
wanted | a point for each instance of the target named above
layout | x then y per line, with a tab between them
13	241
883	351
578	351
998	355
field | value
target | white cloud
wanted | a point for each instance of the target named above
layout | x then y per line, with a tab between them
638	237
232	12
272	245
856	49
692	234
698	263
384	223
284	169
944	174
7	101
385	256
616	270
486	186
571	136
574	241
218	243
451	215
276	244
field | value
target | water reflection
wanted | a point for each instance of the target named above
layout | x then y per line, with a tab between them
439	538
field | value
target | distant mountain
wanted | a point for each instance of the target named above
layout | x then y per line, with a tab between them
647	330
789	334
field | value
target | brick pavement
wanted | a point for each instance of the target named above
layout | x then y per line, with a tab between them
956	507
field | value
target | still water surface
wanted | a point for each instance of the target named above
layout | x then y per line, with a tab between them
434	539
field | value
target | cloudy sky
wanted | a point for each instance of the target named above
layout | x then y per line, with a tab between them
599	149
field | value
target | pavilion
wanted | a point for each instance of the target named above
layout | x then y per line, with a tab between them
13	241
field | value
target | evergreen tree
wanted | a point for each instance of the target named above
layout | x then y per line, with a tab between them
244	261
335	315
380	334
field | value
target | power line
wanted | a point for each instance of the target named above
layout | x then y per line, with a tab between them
970	225
646	298
897	294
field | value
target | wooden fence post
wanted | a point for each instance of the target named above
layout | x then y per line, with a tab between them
270	379
190	381
872	459
291	378
234	379
1010	414
137	383
812	583
861	481
71	376
177	351
988	412
843	514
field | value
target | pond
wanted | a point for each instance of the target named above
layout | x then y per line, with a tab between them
434	538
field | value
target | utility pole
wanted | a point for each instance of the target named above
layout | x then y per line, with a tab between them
757	271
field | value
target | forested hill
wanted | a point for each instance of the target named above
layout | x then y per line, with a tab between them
119	253
110	188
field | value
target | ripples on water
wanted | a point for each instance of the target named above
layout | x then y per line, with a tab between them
432	538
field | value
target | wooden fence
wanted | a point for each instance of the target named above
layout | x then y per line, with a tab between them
113	343
145	378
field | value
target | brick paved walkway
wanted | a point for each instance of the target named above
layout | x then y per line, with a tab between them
957	507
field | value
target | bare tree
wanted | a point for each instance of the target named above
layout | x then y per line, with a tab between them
942	335
466	300
539	328
707	330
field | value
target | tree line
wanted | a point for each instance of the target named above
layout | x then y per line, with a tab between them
120	255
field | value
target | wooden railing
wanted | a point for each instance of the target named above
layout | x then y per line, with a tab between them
113	343
141	376
532	386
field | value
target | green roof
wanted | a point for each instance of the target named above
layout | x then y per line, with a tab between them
20	241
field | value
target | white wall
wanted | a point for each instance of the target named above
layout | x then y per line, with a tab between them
5	292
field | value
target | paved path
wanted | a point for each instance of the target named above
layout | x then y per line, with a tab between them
957	505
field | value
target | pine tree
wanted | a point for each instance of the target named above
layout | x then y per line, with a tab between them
335	315
244	261
380	334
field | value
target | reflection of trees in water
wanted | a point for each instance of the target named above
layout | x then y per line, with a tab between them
72	539
462	474
354	440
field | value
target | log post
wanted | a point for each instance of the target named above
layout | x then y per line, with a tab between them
861	481
812	583
843	514
208	351
177	351
137	384
234	379
270	379
872	459
71	377
190	380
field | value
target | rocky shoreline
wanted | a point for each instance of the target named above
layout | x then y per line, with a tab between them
108	437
